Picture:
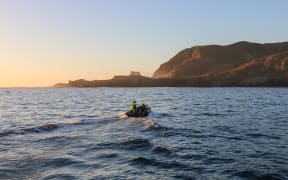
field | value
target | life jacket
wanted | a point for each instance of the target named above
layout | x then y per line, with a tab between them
132	106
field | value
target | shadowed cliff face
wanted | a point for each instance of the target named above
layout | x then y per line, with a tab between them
200	60
272	68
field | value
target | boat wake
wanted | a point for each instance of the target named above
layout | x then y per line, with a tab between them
67	125
62	126
122	115
146	121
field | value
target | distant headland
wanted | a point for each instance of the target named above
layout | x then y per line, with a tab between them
239	64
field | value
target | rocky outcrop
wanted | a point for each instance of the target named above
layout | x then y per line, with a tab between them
200	60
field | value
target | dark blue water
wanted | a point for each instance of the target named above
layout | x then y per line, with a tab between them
192	133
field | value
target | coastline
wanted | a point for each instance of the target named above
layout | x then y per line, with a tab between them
141	81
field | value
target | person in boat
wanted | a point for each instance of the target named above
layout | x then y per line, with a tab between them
133	106
142	108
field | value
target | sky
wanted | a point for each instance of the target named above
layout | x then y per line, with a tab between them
43	42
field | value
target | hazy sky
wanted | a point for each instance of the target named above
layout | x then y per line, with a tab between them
43	42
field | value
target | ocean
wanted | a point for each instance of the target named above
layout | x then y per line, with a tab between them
191	133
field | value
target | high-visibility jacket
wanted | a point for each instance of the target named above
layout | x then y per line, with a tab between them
132	106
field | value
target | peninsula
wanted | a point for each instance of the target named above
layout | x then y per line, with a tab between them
239	64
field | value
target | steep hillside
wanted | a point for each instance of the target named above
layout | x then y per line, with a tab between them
272	68
200	60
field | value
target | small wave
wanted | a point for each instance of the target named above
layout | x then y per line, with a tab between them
157	127
260	155
193	156
186	177
73	122
258	135
249	174
44	128
57	142
60	176
158	115
107	155
237	138
60	162
132	144
48	127
158	149
160	130
217	160
142	161
136	144
57	139
7	133
210	114
27	131
225	129
164	131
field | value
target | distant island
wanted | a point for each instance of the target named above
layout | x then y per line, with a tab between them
239	64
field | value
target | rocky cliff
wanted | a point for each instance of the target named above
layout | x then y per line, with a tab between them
271	69
199	61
